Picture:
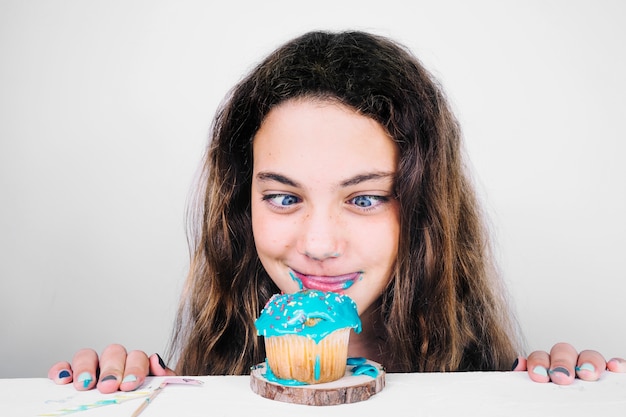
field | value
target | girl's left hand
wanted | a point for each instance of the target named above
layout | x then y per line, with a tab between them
563	364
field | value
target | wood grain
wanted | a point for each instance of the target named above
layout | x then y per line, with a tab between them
349	389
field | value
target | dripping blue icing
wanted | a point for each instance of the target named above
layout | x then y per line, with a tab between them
289	314
269	375
365	369
356	361
297	280
361	368
317	371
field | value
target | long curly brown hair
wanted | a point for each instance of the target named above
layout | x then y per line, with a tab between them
444	308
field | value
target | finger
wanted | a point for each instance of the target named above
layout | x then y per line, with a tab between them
61	373
520	364
84	365
112	364
616	365
538	364
158	367
563	359
137	367
590	365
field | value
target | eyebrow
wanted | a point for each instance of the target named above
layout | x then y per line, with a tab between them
273	176
357	179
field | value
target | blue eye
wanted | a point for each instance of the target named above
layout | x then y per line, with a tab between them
282	199
367	201
288	200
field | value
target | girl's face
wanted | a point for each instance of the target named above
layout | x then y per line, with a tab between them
323	215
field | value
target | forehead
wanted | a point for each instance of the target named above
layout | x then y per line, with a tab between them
319	136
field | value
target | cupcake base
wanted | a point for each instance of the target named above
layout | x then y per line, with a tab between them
292	357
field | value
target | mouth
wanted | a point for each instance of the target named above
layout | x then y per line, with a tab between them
336	283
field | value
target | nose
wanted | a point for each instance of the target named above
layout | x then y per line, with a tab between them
321	235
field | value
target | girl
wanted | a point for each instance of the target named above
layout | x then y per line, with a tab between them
336	164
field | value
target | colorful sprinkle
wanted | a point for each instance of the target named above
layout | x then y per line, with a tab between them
330	311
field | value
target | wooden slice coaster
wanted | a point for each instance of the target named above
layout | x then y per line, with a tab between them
349	389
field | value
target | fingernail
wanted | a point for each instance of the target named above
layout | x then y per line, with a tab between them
64	374
108	378
161	363
586	367
540	370
85	378
559	369
129	378
515	364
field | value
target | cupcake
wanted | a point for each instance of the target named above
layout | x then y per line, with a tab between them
306	336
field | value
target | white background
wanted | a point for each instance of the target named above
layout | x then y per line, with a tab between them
105	108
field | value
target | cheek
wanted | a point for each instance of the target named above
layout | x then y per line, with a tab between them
258	217
262	234
270	236
381	241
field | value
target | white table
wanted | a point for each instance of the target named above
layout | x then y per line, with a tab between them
436	394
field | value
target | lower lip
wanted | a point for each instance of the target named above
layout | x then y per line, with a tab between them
334	284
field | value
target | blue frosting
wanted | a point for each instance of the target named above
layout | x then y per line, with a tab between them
365	369
270	376
361	368
310	313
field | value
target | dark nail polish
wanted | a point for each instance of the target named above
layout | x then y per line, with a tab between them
64	374
515	364
560	369
161	363
108	378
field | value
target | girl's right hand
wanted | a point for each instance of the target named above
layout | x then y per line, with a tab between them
114	370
